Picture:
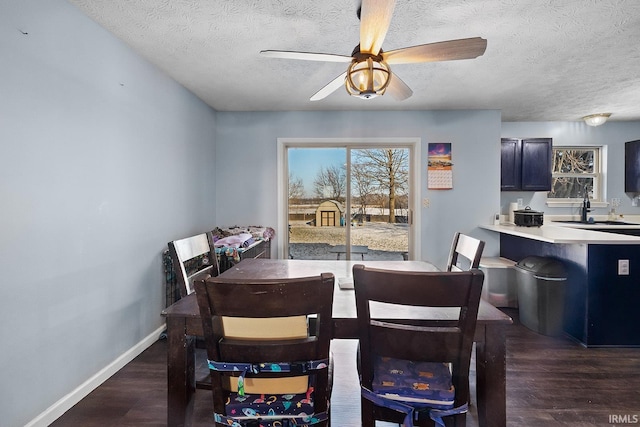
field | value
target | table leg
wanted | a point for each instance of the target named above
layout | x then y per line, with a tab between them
491	377
180	373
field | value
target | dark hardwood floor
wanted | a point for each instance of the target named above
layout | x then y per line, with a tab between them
550	382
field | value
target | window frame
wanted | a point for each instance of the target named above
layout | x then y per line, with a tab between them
597	195
413	144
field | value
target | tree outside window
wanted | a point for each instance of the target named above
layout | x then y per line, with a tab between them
576	171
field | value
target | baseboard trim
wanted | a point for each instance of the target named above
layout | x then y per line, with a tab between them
54	411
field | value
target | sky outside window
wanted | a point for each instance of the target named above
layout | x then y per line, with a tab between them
305	163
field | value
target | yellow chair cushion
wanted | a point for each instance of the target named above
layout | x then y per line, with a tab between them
268	328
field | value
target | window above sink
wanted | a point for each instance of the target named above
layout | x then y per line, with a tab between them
574	169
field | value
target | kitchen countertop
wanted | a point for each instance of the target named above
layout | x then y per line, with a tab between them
555	232
628	225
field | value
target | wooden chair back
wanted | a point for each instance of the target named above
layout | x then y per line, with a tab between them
193	257
260	300
423	338
465	253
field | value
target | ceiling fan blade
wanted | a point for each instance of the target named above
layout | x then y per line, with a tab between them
307	56
441	51
398	89
375	17
329	88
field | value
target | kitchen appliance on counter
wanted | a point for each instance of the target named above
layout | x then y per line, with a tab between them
527	217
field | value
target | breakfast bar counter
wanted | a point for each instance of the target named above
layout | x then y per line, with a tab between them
556	232
602	289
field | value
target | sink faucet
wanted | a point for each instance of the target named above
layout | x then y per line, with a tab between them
586	205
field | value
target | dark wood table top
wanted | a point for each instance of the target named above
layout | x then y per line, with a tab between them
344	305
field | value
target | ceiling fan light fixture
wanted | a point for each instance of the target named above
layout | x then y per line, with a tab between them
596	119
368	74
367	77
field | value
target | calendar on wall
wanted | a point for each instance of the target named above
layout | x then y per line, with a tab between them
440	166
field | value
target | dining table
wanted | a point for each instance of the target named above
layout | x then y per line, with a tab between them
184	325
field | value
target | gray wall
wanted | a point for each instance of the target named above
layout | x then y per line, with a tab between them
104	160
611	134
246	160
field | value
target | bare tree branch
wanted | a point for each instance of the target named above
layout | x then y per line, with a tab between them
572	173
296	188
330	182
386	170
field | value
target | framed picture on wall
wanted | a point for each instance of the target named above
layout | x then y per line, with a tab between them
440	166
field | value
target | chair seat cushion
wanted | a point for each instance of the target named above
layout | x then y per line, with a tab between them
273	406
426	383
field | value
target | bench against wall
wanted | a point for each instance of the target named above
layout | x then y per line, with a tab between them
180	271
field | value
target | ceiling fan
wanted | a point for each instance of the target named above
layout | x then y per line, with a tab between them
369	74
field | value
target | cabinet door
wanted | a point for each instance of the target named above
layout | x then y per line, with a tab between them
510	177
632	167
536	164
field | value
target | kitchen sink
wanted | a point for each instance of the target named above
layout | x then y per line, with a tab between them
598	222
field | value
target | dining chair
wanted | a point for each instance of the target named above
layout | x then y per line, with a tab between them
192	257
465	253
415	372
267	368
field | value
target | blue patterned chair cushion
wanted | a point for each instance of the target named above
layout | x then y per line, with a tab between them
268	407
424	383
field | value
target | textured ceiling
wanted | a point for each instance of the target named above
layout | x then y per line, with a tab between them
545	59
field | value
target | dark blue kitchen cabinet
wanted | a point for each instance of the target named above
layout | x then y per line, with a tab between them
632	167
510	164
525	164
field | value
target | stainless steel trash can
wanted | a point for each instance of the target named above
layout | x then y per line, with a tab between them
500	288
541	289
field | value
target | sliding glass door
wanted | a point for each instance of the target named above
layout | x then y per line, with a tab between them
317	199
348	202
